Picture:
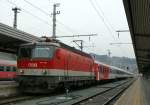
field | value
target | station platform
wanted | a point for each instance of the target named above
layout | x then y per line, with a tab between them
8	88
137	94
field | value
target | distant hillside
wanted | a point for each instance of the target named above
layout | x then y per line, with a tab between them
128	64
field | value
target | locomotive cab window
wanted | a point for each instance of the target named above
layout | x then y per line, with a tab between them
25	52
43	52
31	51
1	68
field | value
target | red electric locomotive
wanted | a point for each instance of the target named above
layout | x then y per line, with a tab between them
43	66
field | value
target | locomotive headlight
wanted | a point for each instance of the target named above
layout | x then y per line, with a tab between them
44	72
22	71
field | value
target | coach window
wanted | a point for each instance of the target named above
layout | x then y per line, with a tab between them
104	69
110	70
14	69
1	68
101	68
8	68
113	71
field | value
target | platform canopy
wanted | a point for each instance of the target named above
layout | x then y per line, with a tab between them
11	38
138	17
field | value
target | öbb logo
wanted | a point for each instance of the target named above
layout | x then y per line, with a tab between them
32	64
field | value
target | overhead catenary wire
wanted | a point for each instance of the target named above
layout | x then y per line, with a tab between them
47	14
67	27
37	7
40	19
104	14
102	18
37	16
41	10
100	9
60	22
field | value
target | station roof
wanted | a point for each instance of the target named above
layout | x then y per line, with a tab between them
11	38
138	16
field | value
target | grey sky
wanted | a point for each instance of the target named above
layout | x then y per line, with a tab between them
78	17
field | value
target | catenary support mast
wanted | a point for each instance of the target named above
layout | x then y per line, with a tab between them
16	10
54	19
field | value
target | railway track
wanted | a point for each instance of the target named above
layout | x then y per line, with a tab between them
104	97
107	97
19	98
11	100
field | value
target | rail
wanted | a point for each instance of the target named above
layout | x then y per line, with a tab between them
107	96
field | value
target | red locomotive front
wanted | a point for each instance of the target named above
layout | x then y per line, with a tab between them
45	65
